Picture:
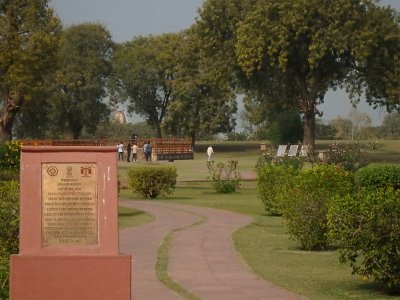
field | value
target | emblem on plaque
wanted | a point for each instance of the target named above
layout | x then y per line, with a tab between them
86	171
52	171
69	171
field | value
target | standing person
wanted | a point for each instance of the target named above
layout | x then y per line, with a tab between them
120	151
210	152
148	151
128	151
145	145
134	152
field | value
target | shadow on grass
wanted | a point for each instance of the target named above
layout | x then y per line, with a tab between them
373	287
131	213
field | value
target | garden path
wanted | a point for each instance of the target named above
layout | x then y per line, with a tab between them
202	256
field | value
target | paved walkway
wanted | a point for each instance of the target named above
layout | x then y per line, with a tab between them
202	258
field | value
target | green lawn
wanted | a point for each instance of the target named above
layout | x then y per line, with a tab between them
264	244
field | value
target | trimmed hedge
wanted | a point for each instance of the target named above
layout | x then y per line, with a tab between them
366	228
9	230
378	176
272	183
10	153
151	181
306	205
9	175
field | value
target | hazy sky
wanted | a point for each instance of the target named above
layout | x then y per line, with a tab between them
126	19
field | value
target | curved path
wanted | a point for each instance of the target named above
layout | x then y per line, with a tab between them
202	257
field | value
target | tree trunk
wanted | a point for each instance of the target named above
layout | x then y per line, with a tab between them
158	128
193	137
10	109
309	125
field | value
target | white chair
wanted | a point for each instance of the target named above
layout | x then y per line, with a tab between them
281	150
293	150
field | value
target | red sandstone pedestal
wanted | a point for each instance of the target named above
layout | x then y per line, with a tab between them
69	226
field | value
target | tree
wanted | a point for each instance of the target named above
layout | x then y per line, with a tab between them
323	130
29	35
391	125
201	103
361	123
116	130
288	53
143	71
34	117
84	67
343	127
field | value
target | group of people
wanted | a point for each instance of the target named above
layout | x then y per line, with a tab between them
132	151
147	151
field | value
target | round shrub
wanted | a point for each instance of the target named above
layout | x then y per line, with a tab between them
272	183
378	176
366	228
151	181
306	205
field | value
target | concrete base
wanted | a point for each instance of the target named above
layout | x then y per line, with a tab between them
70	277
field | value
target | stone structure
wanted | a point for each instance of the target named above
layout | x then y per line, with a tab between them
69	246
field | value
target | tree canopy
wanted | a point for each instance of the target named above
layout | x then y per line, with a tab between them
288	53
202	103
164	80
29	35
84	64
143	71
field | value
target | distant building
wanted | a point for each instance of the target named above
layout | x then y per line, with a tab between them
120	117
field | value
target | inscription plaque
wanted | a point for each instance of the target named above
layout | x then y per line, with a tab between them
69	204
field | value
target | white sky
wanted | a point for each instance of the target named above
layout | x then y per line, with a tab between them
126	19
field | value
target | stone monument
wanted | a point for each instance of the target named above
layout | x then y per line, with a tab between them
69	226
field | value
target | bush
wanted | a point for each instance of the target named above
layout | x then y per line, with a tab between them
152	181
269	158
272	183
10	155
9	175
378	176
9	230
349	156
366	228
305	206
225	178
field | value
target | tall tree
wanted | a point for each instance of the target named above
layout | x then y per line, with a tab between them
290	52
34	117
201	102
29	34
361	123
143	71
391	125
343	127
84	67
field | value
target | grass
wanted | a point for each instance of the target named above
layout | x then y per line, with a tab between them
264	244
129	217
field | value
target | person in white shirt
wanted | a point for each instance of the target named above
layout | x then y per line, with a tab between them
121	151
134	152
210	152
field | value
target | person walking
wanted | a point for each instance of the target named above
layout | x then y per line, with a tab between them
128	152
134	152
120	151
210	152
